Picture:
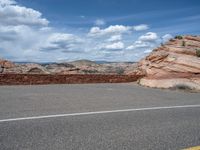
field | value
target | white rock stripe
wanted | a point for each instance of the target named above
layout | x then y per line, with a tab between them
98	112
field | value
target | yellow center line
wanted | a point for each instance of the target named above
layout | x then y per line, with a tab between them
193	148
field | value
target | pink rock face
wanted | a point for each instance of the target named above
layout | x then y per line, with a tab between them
173	64
6	64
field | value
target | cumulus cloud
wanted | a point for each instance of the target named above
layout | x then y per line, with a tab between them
116	29
147	42
25	35
148	51
150	37
141	27
7	2
138	45
12	14
107	47
61	42
115	38
114	46
100	22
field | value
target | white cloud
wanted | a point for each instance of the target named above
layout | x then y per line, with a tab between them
141	27
61	37
61	42
115	38
150	37
11	14
100	22
116	29
146	43
7	2
26	36
10	33
167	37
138	45
114	46
148	51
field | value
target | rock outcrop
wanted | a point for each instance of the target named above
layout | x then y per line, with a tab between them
175	64
5	64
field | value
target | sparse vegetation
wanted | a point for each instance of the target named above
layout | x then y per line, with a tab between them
90	71
182	87
183	43
198	52
1	69
119	71
179	37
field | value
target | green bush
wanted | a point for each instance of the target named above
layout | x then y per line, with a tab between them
178	37
198	52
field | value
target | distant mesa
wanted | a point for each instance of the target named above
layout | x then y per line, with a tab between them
74	67
83	62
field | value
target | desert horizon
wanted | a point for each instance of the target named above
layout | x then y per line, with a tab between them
99	74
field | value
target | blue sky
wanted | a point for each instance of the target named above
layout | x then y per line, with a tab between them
111	30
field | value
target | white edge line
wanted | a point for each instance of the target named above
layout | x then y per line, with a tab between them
97	112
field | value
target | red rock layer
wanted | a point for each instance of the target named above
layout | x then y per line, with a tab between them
28	79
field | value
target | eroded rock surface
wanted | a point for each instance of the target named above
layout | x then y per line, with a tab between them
77	67
173	65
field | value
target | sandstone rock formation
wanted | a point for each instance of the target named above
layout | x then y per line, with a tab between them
175	64
5	64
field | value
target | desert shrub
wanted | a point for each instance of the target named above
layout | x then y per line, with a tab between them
182	87
90	71
1	69
178	37
198	52
119	71
183	43
171	40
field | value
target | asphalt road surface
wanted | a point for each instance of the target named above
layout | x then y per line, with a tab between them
97	117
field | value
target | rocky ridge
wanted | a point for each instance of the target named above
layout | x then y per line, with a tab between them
175	64
77	67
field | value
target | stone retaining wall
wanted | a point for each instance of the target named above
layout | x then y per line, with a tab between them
29	79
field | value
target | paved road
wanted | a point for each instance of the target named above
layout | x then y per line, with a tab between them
174	128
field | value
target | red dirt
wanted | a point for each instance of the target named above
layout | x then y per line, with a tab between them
31	79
